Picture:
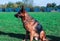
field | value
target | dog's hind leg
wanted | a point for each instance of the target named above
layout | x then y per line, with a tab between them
42	36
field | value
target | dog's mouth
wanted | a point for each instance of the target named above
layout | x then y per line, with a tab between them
16	15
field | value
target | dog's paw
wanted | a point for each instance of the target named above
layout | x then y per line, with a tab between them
23	40
36	38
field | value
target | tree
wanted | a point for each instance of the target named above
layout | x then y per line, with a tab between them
19	4
15	5
42	8
10	5
3	6
0	6
28	2
53	5
58	6
49	5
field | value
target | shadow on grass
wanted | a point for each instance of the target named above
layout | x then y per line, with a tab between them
21	36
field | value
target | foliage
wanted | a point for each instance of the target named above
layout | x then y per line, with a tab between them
19	4
58	6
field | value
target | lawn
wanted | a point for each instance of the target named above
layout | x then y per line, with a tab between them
11	29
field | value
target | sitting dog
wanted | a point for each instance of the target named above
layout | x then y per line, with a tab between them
32	26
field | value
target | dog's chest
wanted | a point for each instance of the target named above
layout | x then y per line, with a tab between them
29	25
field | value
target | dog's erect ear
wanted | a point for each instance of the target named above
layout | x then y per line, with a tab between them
22	9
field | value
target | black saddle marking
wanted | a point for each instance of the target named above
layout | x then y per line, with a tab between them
38	27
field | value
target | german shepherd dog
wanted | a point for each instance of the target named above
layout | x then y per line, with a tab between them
32	26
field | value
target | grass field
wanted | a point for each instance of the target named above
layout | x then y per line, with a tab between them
11	29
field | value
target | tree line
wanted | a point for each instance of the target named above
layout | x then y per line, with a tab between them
19	4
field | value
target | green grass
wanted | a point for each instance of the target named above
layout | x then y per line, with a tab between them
11	29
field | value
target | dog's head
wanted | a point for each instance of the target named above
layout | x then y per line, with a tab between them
21	13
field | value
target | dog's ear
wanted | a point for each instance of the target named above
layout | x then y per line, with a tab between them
22	9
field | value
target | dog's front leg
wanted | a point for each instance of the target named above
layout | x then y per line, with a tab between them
26	36
31	36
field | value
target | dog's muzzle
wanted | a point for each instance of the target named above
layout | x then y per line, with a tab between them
16	15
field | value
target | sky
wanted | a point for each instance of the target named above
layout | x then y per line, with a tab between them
35	2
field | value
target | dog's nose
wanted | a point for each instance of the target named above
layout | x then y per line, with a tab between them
16	15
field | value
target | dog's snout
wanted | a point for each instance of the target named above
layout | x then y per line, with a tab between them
16	15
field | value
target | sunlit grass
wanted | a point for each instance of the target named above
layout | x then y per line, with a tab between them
9	24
